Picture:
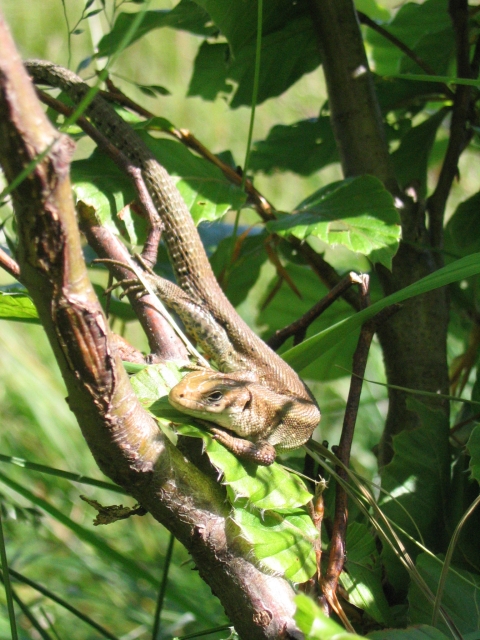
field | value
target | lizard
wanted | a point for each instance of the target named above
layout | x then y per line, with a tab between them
261	404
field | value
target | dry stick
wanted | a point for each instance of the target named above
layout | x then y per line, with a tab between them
299	328
9	265
329	582
325	272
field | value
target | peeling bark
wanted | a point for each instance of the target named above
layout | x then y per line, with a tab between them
124	439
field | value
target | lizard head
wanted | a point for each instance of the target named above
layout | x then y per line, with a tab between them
217	397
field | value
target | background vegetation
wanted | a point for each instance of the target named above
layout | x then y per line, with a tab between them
113	574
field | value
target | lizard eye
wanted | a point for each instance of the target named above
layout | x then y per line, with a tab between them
215	396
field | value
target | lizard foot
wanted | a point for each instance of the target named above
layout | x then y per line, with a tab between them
260	452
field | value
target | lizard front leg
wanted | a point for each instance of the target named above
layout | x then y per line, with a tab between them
260	452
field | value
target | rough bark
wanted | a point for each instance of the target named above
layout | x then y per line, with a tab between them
124	439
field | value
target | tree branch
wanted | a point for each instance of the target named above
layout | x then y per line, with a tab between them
459	133
364	19
326	273
124	439
9	265
355	114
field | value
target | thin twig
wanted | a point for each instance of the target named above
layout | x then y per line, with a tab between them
125	165
336	561
299	328
263	207
461	114
364	19
9	265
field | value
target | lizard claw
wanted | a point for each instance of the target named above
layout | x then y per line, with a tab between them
260	452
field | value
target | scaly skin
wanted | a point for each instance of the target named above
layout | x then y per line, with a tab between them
281	412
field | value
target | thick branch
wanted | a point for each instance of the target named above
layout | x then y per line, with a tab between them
414	341
125	440
355	114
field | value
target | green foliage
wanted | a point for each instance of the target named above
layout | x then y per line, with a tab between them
17	306
372	227
113	574
302	147
460	597
282	543
362	578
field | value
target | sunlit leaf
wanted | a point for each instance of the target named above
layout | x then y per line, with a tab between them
17	306
316	625
357	213
282	543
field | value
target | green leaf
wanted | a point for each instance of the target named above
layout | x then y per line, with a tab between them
419	483
410	24
310	350
286	307
238	23
17	306
460	598
473	448
358	213
363	576
99	184
210	71
400	94
437	49
462	228
315	624
244	272
288	35
187	15
411	158
155	381
303	147
264	488
282	543
296	45
420	632
153	90
372	9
